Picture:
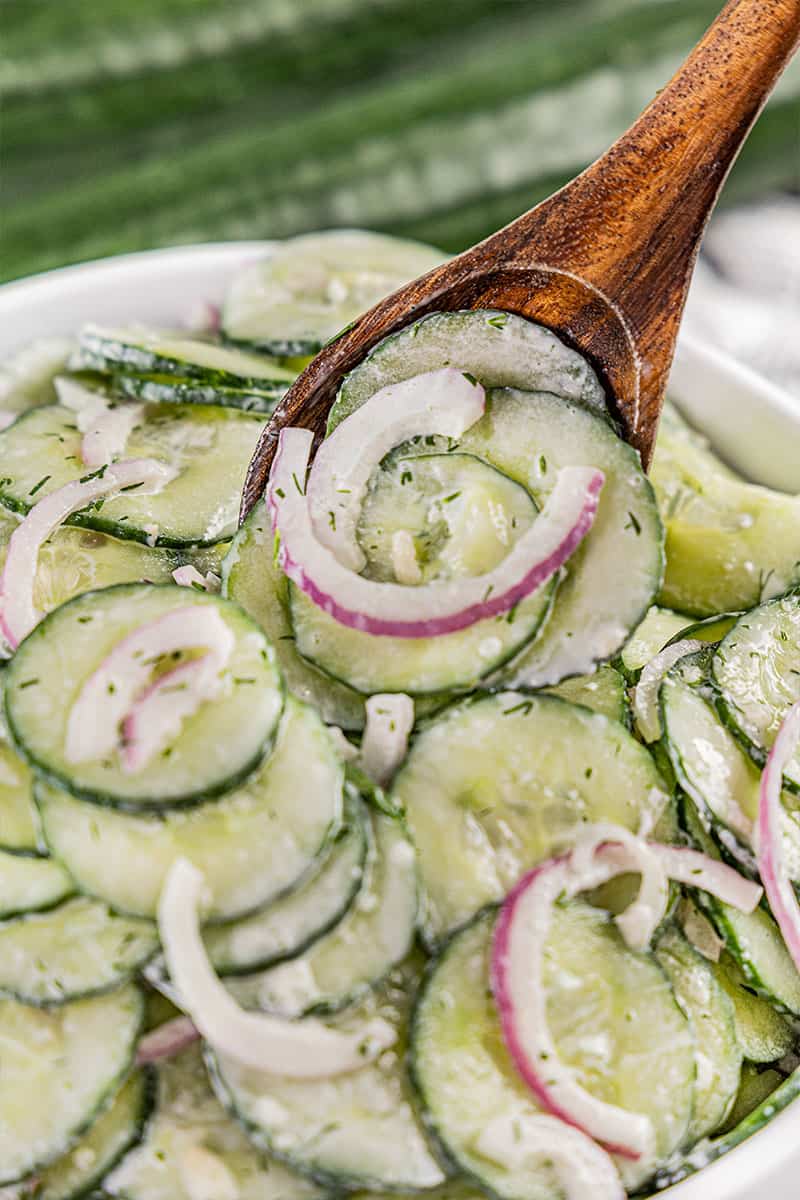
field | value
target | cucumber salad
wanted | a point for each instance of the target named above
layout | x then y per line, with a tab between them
435	831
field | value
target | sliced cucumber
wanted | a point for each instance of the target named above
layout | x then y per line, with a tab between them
290	925
28	884
110	1137
775	1101
309	288
171	389
615	1022
500	349
351	1131
488	790
73	561
76	950
151	352
455	1188
252	846
659	627
757	672
530	437
763	1034
19	826
60	1067
251	577
753	939
712	767
730	544
26	378
709	629
463	517
192	1149
374	936
207	447
757	1084
217	746
604	692
711	1016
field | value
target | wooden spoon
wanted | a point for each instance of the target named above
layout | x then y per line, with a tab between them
605	262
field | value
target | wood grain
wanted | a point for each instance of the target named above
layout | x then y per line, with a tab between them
605	262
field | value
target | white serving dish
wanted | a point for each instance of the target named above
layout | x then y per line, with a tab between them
754	425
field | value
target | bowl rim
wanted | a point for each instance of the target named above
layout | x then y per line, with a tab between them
761	1158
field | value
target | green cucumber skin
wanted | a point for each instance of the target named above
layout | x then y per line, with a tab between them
710	1151
48	775
137	1132
338	1182
186	391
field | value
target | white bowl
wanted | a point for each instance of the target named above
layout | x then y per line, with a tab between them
754	425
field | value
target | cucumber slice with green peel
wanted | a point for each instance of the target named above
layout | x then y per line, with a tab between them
27	377
73	561
252	846
456	1188
207	447
374	936
709	629
753	939
711	1016
171	389
76	950
730	544
152	352
604	692
708	1152
19	825
352	1131
756	1085
190	1146
462	518
530	436
251	577
462	515
712	767
501	349
615	1022
61	1067
762	1033
756	671
420	667
290	925
488	791
657	630
306	290
30	884
108	1140
218	746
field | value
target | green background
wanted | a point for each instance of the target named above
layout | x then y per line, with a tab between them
129	124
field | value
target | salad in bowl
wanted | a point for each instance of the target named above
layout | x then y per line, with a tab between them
435	829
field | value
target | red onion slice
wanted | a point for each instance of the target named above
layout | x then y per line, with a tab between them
113	693
517	977
107	436
390	719
769	851
445	402
645	694
520	937
167	1040
304	1049
444	606
18	616
697	870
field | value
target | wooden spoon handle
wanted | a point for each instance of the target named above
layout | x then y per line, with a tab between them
630	225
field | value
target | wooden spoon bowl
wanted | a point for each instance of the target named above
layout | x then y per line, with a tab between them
605	262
